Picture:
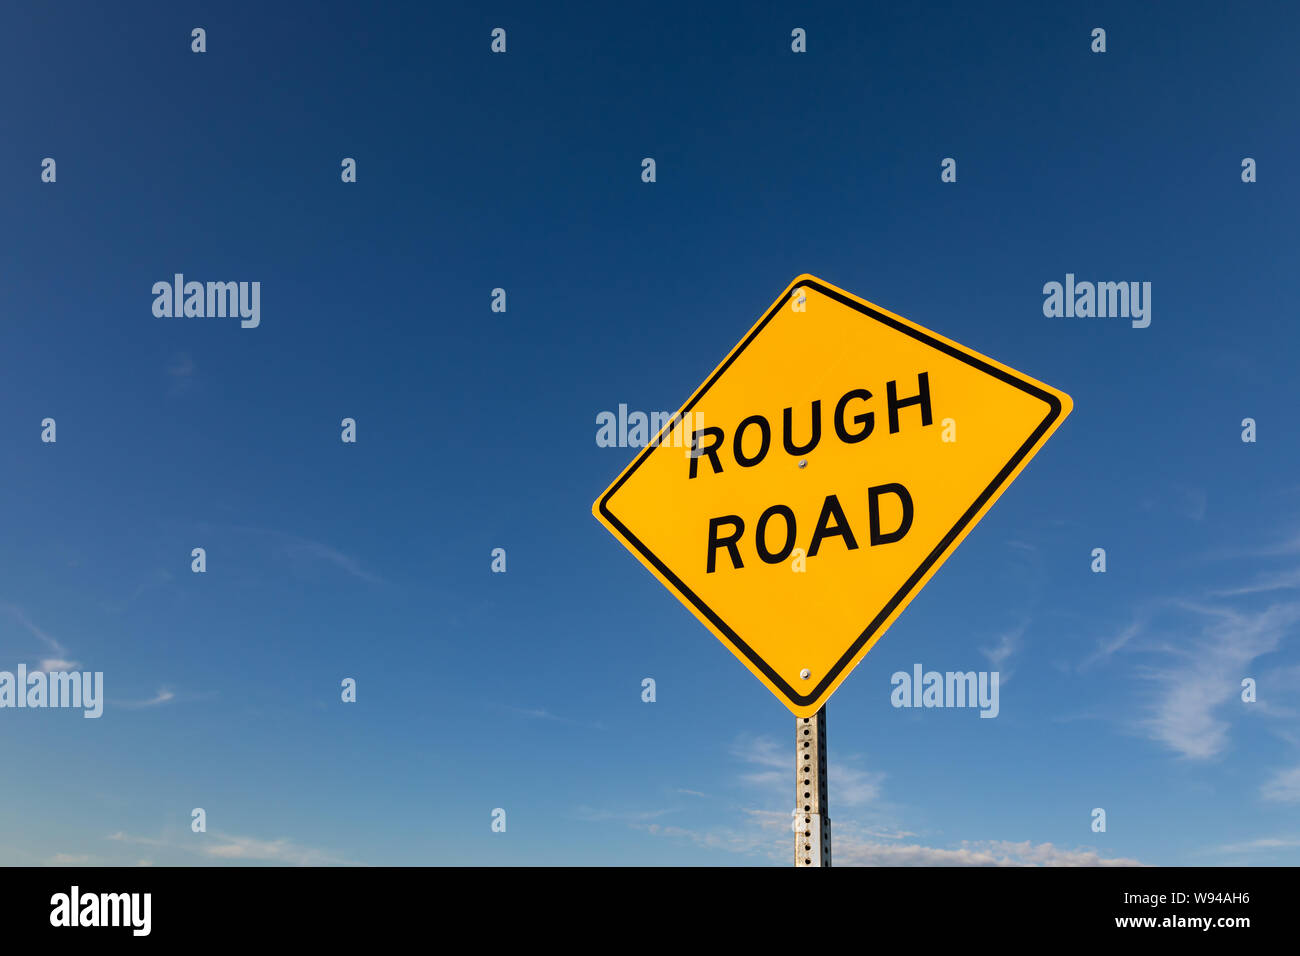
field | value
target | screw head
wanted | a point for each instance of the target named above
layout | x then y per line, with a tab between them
805	673
803	463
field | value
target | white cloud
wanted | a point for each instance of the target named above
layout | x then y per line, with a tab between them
221	846
852	852
298	548
1279	581
122	837
273	851
1117	643
59	652
1284	787
766	833
1000	653
1264	844
852	787
765	751
163	696
323	552
1287	546
769	753
541	713
1197	662
1005	647
625	816
181	366
764	837
1207	673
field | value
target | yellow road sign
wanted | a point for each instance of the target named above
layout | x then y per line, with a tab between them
816	481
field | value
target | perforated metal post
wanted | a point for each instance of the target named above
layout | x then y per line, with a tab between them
812	839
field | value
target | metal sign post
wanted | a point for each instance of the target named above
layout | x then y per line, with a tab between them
812	837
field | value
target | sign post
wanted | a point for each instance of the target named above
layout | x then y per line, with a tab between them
812	827
815	482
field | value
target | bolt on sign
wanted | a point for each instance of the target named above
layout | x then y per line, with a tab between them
819	477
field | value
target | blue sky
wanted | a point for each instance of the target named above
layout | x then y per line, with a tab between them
476	429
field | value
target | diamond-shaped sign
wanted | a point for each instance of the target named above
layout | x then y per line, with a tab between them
816	481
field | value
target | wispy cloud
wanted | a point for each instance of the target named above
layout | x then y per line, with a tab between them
122	837
999	655
853	787
307	550
241	849
162	697
1278	581
776	758
158	578
180	366
284	851
623	816
765	833
886	834
1196	654
1202	672
60	660
1004	648
180	373
1002	853
757	834
1284	787
1289	544
1183	500
1112	645
1262	845
541	713
323	552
